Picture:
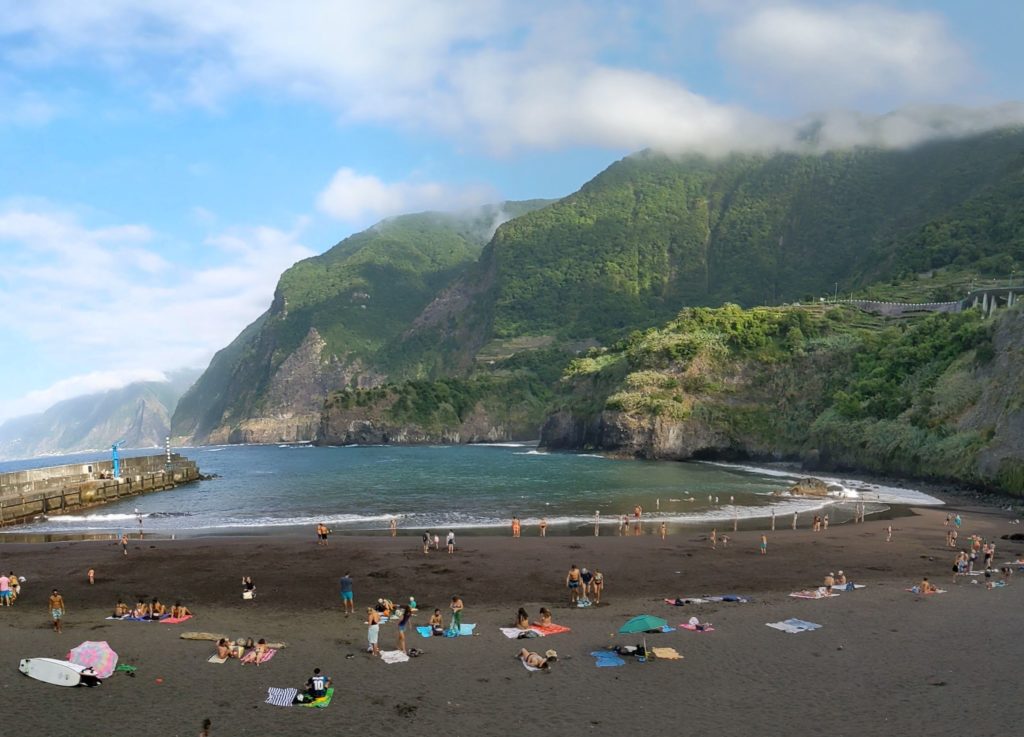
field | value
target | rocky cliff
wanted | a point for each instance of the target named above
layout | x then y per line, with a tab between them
957	413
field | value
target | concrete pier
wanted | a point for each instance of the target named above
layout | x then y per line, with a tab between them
25	495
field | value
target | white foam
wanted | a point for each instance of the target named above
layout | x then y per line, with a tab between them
848	488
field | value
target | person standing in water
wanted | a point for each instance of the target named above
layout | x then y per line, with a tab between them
394	526
543	526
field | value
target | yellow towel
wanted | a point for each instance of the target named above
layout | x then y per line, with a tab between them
666	653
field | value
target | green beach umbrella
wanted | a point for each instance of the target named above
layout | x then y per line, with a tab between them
642	623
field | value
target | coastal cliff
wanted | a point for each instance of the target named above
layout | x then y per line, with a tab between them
939	399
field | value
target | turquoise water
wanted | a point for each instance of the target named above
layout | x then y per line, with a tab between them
360	489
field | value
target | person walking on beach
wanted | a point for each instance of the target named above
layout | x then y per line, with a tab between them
57	610
456	607
426	542
205	731
91	575
764	545
714	538
124	543
664	529
543	526
597	586
794	520
572	582
372	631
824	522
345	584
450	542
394	526
888	534
6	593
516	527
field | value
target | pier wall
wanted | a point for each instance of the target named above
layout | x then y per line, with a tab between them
25	495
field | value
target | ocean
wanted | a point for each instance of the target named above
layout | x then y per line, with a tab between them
479	488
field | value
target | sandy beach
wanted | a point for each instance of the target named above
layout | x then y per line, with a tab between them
885	661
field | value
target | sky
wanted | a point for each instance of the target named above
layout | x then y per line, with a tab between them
162	162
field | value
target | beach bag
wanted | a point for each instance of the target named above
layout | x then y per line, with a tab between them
248	594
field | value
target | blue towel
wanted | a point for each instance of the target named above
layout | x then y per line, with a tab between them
802	623
607	659
668	628
425	631
464	631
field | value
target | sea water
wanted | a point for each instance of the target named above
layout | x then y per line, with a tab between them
360	489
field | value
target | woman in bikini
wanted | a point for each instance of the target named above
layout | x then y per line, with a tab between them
179	610
121	609
597	586
156	609
522	619
545	617
536	660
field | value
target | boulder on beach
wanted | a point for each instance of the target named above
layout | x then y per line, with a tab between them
809	486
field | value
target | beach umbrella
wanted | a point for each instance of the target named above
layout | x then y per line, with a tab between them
642	623
96	655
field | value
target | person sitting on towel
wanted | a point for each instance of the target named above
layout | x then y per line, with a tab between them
179	610
121	609
225	649
841	580
437	623
926	586
522	619
141	610
156	609
545	617
536	660
317	685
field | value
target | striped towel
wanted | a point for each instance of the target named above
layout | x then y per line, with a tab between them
281	696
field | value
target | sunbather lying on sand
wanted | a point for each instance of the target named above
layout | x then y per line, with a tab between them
536	660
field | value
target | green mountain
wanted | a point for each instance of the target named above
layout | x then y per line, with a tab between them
331	317
138	414
473	346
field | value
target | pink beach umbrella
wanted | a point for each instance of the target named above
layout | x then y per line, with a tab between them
95	655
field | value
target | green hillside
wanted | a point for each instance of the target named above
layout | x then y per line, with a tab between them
652	233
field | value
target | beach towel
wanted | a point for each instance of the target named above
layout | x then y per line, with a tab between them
549	629
465	630
393	656
514	633
607	659
996	585
129	618
203	636
812	594
175	620
425	631
794	626
528	666
250	657
666	653
323	702
731	598
917	590
215	659
696	628
281	696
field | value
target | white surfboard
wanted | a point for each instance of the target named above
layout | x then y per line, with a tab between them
50	670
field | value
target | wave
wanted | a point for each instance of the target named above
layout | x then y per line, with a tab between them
532	453
845	488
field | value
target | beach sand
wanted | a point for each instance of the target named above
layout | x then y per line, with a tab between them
885	661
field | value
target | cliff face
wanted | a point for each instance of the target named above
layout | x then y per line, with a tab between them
369	426
963	420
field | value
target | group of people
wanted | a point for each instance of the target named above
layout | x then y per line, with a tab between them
523	619
819	523
238	650
322	531
435	539
584	584
155	609
10	588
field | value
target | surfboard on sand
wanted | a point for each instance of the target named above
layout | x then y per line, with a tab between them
50	670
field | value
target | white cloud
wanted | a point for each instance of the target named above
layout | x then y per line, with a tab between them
354	197
505	73
851	54
74	386
103	301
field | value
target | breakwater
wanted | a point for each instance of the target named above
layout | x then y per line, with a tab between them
26	495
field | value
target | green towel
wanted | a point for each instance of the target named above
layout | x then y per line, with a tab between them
323	702
126	668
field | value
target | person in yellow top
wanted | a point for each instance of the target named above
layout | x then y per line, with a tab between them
57	611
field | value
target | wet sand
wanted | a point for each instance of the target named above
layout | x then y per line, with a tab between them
885	661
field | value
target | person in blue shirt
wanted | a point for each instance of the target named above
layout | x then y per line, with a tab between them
346	594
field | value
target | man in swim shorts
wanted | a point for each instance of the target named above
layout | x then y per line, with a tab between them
572	581
345	582
57	610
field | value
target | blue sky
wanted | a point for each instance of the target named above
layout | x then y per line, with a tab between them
162	162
